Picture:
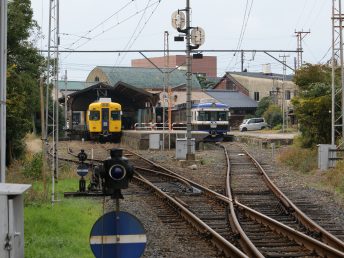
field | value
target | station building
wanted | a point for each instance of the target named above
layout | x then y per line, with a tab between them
143	94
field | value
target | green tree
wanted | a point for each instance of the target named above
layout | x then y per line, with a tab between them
205	84
24	69
313	104
273	115
263	105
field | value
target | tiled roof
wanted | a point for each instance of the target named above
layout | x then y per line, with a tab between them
263	75
234	99
74	85
146	77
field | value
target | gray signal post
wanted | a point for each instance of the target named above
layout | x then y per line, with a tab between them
3	69
189	154
179	20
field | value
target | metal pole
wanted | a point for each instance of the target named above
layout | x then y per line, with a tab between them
3	71
333	131
48	77
189	154
65	111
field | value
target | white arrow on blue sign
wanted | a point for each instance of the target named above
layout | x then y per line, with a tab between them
118	234
82	169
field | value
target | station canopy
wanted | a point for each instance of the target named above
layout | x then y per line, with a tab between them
130	97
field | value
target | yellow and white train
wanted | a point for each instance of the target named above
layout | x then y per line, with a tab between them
104	120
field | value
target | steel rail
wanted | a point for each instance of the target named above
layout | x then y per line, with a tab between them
310	243
248	247
311	225
164	174
221	243
244	241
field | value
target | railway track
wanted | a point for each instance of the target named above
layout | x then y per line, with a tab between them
240	230
251	187
260	236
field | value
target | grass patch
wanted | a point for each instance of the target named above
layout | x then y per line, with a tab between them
303	160
61	230
334	178
57	231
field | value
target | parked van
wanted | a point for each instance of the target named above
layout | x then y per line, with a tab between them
252	124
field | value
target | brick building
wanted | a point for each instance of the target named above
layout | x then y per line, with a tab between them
206	66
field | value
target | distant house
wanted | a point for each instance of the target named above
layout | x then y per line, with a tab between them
260	85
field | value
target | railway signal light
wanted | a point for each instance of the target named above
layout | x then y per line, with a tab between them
115	174
82	170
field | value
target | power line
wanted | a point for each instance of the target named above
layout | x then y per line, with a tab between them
242	32
117	24
101	23
134	32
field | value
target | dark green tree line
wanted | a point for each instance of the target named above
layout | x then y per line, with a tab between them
25	65
312	106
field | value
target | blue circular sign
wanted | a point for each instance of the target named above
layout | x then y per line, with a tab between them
82	169
117	172
118	234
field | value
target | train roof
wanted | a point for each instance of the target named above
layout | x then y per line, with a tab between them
203	105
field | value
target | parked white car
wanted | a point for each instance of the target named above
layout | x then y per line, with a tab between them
253	124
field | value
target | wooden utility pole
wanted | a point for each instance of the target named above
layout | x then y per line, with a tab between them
43	137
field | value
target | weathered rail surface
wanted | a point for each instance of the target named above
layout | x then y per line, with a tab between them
252	187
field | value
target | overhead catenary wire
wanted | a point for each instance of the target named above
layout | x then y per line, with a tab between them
143	27
103	22
135	30
116	25
242	32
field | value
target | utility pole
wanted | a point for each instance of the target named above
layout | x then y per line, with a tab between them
283	93
65	98
242	60
196	36
43	133
3	72
189	154
53	57
337	110
166	34
300	35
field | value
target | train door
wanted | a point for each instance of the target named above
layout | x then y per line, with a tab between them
105	120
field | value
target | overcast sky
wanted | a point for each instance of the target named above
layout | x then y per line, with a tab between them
270	24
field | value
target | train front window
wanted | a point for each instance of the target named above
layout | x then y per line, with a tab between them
212	116
222	116
203	116
94	115
116	115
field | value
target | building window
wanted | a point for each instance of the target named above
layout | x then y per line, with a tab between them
76	118
96	79
287	95
256	96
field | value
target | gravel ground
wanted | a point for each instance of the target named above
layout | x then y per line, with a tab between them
166	240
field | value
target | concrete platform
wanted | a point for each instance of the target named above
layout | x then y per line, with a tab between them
139	139
261	137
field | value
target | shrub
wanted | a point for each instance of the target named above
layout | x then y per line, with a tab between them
277	127
335	177
32	167
304	160
273	115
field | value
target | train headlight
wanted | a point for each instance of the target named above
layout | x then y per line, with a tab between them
117	172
